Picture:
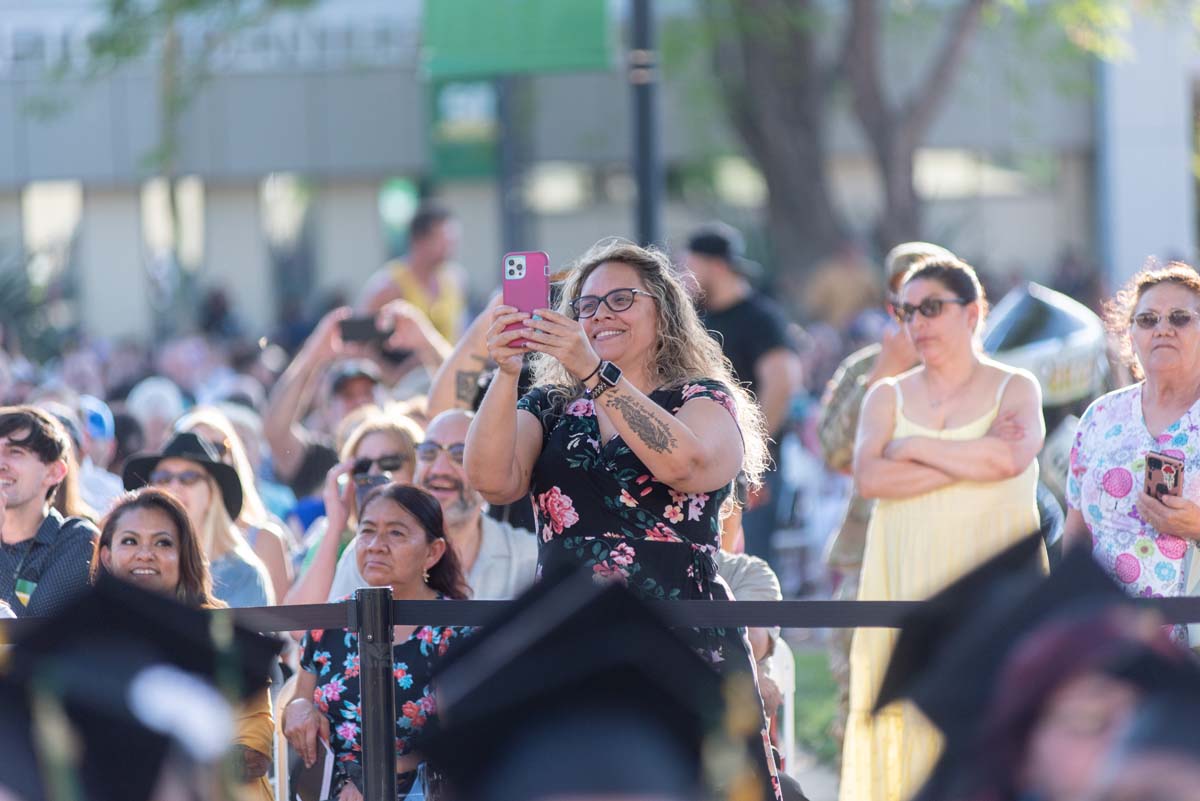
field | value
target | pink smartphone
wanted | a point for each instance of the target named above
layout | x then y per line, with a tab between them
526	284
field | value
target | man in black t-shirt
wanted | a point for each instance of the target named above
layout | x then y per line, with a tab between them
756	336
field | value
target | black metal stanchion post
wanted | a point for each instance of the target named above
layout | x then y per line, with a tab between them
647	166
378	701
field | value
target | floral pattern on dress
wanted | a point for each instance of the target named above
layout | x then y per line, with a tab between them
599	508
332	656
1107	471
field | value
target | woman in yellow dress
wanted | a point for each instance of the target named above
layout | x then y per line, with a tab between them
949	449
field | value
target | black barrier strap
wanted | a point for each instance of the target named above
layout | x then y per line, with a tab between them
728	614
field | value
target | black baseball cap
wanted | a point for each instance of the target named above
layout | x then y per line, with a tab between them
721	241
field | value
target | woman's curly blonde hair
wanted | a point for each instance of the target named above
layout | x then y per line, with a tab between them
685	352
1118	310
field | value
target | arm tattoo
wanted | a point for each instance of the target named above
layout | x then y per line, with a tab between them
652	431
466	386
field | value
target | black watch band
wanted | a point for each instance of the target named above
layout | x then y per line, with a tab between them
608	375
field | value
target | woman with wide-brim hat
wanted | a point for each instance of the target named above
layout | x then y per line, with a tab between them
190	469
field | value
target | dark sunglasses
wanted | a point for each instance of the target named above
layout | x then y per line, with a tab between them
187	478
1178	318
929	308
387	464
618	300
428	451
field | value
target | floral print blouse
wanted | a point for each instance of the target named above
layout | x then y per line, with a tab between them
1108	469
599	507
332	656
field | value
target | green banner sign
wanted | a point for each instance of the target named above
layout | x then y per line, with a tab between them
486	38
464	129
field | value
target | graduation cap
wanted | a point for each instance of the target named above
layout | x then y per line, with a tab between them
579	689
105	692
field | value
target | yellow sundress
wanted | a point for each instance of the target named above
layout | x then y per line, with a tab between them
915	547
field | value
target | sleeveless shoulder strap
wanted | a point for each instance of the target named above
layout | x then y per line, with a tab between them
1003	386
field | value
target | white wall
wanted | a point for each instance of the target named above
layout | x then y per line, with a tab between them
235	253
1146	190
113	285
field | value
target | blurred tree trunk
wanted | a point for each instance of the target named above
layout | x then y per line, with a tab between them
779	94
765	59
895	130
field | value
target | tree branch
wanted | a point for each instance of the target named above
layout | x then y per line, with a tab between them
863	47
918	112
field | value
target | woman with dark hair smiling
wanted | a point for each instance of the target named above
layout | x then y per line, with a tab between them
401	543
148	540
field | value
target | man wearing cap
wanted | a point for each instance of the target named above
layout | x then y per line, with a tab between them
836	429
44	557
301	457
756	336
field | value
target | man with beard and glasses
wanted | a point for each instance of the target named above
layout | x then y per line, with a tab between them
498	559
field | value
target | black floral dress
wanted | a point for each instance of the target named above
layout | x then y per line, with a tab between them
599	507
332	656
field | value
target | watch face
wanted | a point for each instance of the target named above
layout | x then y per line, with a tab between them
610	374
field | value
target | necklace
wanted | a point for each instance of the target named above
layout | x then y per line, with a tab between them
935	402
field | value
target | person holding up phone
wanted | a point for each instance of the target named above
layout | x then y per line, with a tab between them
1145	437
629	440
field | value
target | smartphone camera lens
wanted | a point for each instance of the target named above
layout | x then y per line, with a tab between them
512	262
1155	464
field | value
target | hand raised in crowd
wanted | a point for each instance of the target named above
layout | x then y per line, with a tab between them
564	339
897	354
1007	426
339	498
303	723
411	329
1171	515
325	342
499	341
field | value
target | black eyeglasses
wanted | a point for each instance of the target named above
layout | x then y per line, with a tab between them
387	464
929	308
1178	318
618	300
428	451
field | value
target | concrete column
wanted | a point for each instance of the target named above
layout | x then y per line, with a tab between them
11	235
235	254
349	235
479	246
1144	148
114	295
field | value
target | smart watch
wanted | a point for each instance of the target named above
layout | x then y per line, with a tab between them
607	377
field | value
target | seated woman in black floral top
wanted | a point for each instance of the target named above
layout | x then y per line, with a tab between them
630	439
400	543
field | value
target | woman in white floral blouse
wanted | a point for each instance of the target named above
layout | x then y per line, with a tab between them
1144	542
